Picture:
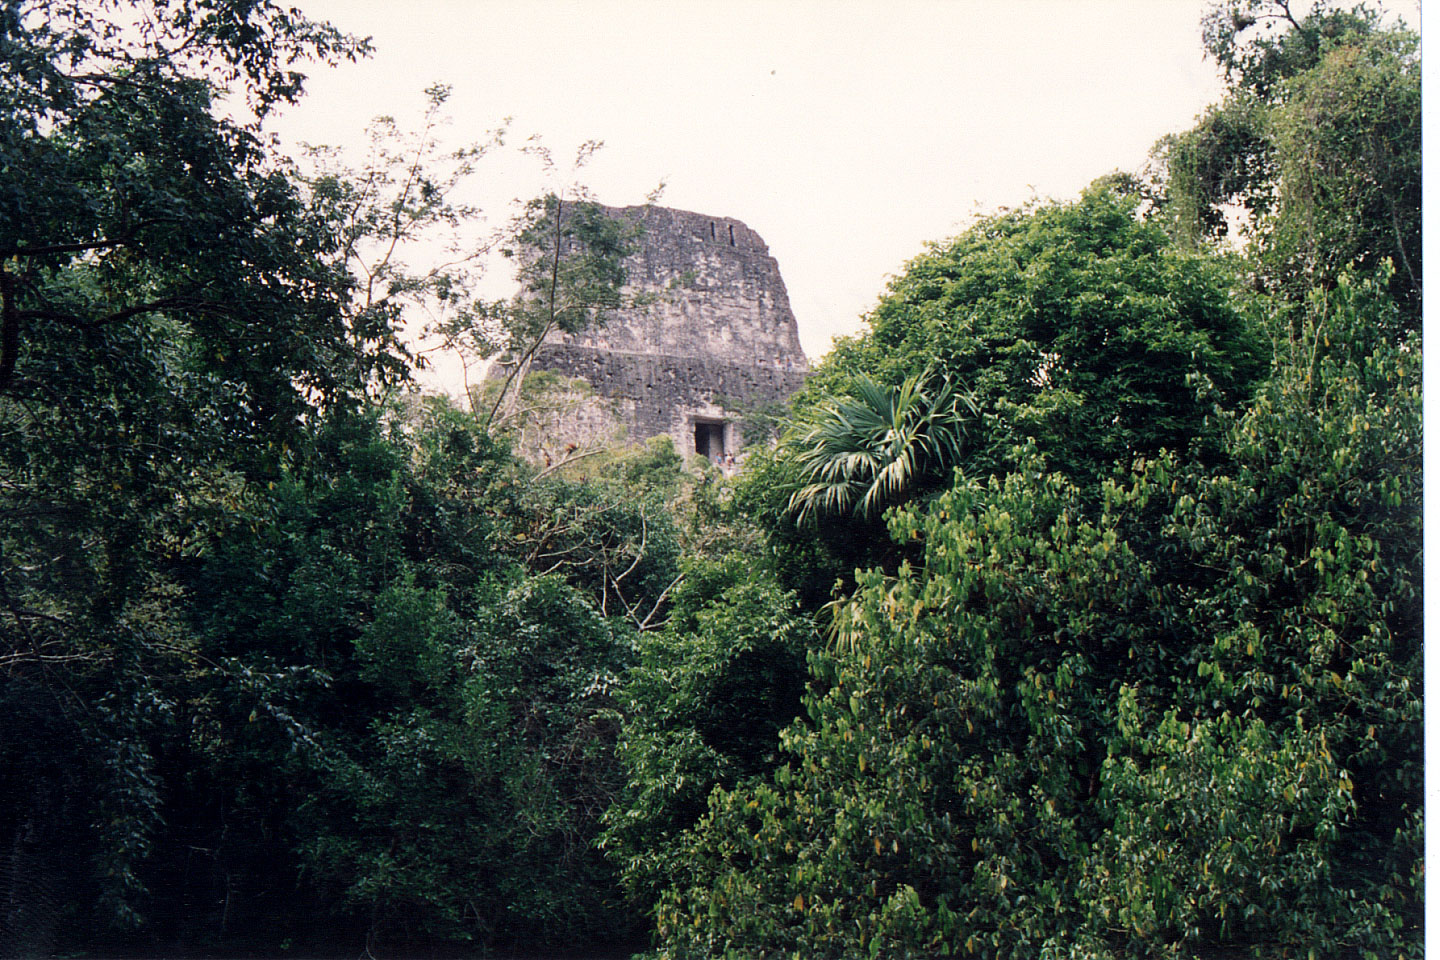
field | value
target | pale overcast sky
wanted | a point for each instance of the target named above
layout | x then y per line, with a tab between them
847	134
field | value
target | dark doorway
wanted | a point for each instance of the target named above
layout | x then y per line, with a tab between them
710	438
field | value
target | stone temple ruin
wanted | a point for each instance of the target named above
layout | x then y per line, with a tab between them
717	337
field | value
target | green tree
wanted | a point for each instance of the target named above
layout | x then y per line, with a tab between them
451	629
1185	724
243	594
404	196
168	320
702	707
1072	329
569	254
1318	141
1074	326
467	809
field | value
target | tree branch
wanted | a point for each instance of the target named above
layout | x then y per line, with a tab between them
9	329
645	624
552	296
639	552
524	360
49	249
53	248
164	303
567	461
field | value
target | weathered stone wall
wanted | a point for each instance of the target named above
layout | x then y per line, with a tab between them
663	394
718	293
718	333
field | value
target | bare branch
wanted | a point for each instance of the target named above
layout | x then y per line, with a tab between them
567	461
645	624
639	552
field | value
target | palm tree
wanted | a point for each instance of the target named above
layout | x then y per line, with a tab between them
876	447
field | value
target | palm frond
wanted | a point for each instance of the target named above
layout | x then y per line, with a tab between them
866	451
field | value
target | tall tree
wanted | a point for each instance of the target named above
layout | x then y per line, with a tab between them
1073	329
406	195
168	321
1184	725
703	707
570	255
1317	141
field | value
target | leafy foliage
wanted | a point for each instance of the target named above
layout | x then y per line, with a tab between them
1071	329
703	707
221	560
1133	671
570	267
460	730
127	361
1318	142
403	196
1158	729
490	759
1074	326
1260	43
869	451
